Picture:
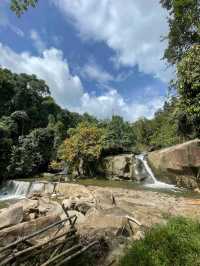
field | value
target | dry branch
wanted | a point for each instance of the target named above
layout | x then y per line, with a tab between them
77	253
131	219
16	255
36	233
66	252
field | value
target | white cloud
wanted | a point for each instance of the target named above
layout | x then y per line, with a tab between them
133	29
68	90
112	102
51	67
37	41
94	72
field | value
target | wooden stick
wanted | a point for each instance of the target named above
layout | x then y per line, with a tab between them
41	250
67	214
36	233
17	254
48	262
77	253
49	247
131	219
13	256
59	249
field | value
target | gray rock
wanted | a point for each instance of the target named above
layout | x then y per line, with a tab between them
11	216
119	166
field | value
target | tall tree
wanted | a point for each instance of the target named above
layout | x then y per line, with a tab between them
188	85
184	27
83	148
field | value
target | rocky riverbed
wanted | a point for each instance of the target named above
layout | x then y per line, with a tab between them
114	214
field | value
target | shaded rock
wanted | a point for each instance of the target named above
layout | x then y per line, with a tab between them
47	207
11	216
119	166
84	206
80	204
32	216
179	164
26	204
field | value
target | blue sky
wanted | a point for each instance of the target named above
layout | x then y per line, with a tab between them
97	56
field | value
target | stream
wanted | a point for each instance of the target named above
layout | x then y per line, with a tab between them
16	189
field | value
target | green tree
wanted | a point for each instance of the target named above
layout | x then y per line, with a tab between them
21	118
188	85
83	148
184	27
143	131
119	135
32	154
20	6
5	148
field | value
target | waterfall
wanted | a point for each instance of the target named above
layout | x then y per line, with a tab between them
36	187
154	182
14	190
20	189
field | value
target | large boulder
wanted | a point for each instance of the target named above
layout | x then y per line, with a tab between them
179	164
11	216
101	223
119	166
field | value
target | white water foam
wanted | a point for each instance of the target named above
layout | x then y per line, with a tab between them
156	184
14	190
36	187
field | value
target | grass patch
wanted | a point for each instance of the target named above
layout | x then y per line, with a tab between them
176	244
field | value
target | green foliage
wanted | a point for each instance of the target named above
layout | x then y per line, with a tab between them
6	91
119	136
177	244
33	153
184	25
21	118
20	6
5	148
188	85
161	131
84	146
143	131
165	123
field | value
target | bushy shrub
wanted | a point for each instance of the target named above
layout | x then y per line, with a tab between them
177	244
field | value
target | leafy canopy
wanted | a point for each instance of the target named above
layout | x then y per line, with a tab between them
184	27
188	85
84	144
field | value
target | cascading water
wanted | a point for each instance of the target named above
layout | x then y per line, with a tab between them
20	189
154	183
14	190
36	187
